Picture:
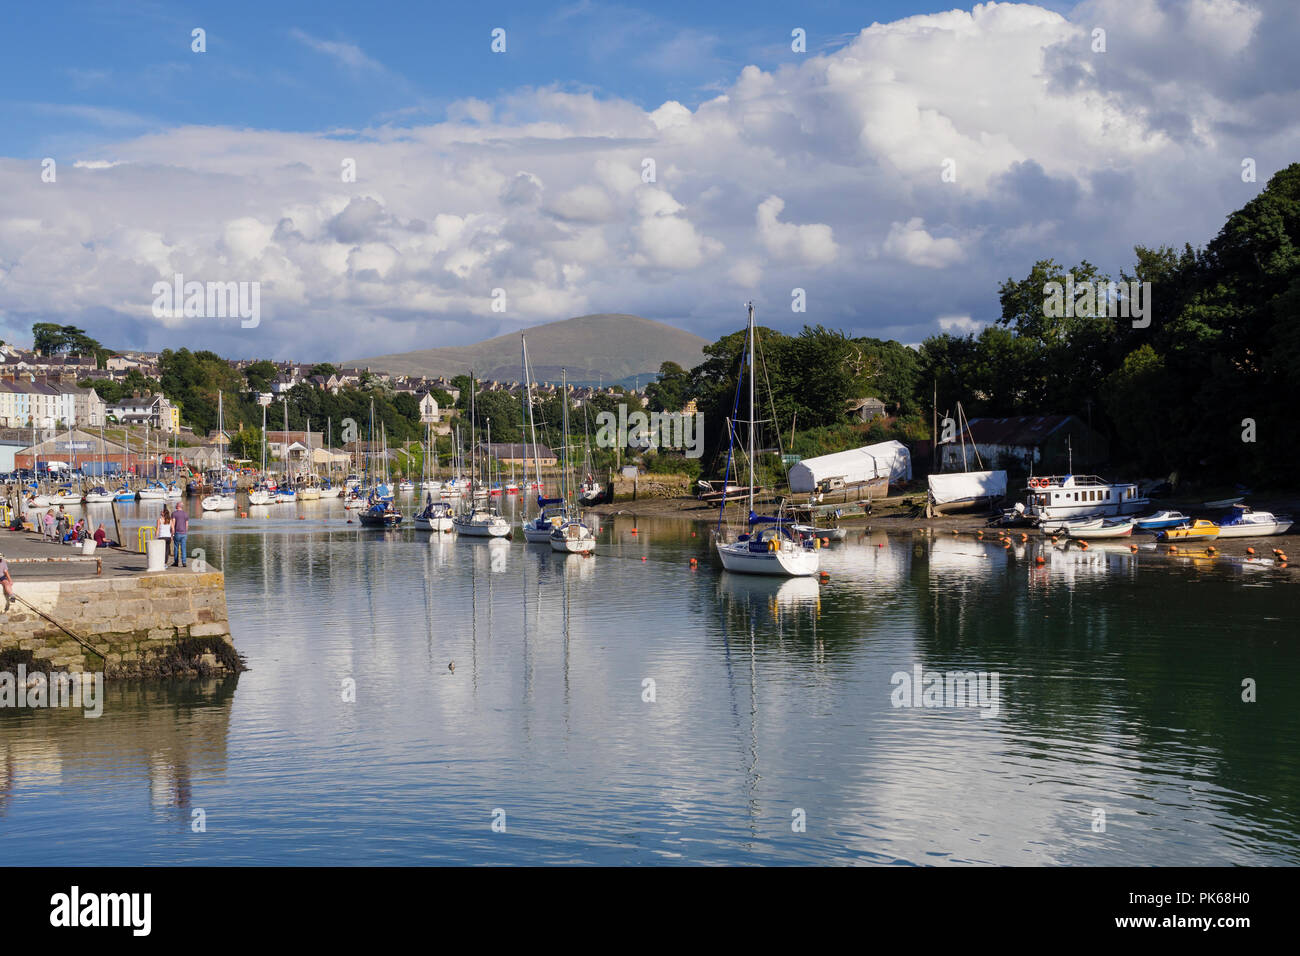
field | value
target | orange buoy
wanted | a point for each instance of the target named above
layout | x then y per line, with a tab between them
1040	560
643	557
1133	547
880	545
694	561
1023	536
243	514
1173	549
1053	539
1006	544
825	575
634	530
1250	550
1084	545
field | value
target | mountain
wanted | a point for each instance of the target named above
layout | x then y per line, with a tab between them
593	348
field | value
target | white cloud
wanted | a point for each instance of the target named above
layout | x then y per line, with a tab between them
911	243
811	244
1058	152
959	324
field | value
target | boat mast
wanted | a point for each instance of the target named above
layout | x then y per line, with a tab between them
532	422
564	475
750	306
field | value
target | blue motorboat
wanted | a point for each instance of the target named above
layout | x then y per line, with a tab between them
1162	520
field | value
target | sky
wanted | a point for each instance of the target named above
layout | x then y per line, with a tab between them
386	180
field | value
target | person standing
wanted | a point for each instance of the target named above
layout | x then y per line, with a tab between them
6	581
180	529
48	521
163	531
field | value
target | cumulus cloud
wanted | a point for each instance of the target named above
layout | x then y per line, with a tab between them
825	173
910	242
811	244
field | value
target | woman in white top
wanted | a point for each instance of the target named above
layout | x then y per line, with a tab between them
163	531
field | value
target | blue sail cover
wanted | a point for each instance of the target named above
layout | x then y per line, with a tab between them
543	502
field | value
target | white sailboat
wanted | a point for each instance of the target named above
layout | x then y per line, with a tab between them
770	546
219	501
479	520
258	495
571	536
285	494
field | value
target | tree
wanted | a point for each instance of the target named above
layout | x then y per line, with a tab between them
260	375
672	389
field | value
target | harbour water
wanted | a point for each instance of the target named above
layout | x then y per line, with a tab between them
615	710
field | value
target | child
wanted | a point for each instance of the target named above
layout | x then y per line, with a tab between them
6	582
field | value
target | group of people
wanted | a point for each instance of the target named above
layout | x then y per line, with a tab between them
173	527
59	527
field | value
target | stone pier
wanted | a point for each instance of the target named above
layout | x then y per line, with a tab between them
163	624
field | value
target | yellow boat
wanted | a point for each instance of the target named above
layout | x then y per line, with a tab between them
1198	530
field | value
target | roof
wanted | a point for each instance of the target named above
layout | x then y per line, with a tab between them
513	450
1026	430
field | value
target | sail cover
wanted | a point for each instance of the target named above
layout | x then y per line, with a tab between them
888	459
967	486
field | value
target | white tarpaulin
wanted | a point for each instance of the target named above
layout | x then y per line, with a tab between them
889	459
967	486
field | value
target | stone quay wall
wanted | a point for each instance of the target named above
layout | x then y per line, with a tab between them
171	624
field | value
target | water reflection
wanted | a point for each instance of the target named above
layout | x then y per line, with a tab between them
494	673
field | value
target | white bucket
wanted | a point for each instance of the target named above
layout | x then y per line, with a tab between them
88	546
156	552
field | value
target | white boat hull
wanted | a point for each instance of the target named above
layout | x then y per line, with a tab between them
330	492
789	561
219	503
259	498
440	524
1254	529
573	538
498	528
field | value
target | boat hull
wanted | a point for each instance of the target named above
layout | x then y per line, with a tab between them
476	529
219	503
791	562
1254	529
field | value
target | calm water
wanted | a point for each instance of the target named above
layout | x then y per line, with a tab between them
1119	675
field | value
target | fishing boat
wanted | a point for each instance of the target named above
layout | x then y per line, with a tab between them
224	498
1244	522
1161	520
436	514
1198	530
1119	528
770	545
124	494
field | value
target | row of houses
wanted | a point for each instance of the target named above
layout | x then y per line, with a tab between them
48	404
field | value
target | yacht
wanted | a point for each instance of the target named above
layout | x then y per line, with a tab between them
1067	497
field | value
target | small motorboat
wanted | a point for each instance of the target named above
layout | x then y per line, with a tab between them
1107	529
481	523
99	495
1244	522
1222	503
1198	530
541	527
219	502
1073	527
1161	520
260	496
832	534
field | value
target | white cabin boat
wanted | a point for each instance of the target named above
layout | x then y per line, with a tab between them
1244	522
1066	497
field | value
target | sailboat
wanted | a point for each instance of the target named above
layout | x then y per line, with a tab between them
284	494
329	489
551	512
259	495
220	501
571	536
770	545
966	490
309	491
479	520
380	512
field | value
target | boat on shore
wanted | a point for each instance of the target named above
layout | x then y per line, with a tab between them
1119	528
1244	522
1161	520
1198	530
1055	498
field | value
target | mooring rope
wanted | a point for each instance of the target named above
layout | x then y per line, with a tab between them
87	645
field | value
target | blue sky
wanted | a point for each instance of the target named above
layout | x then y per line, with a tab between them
523	171
81	73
